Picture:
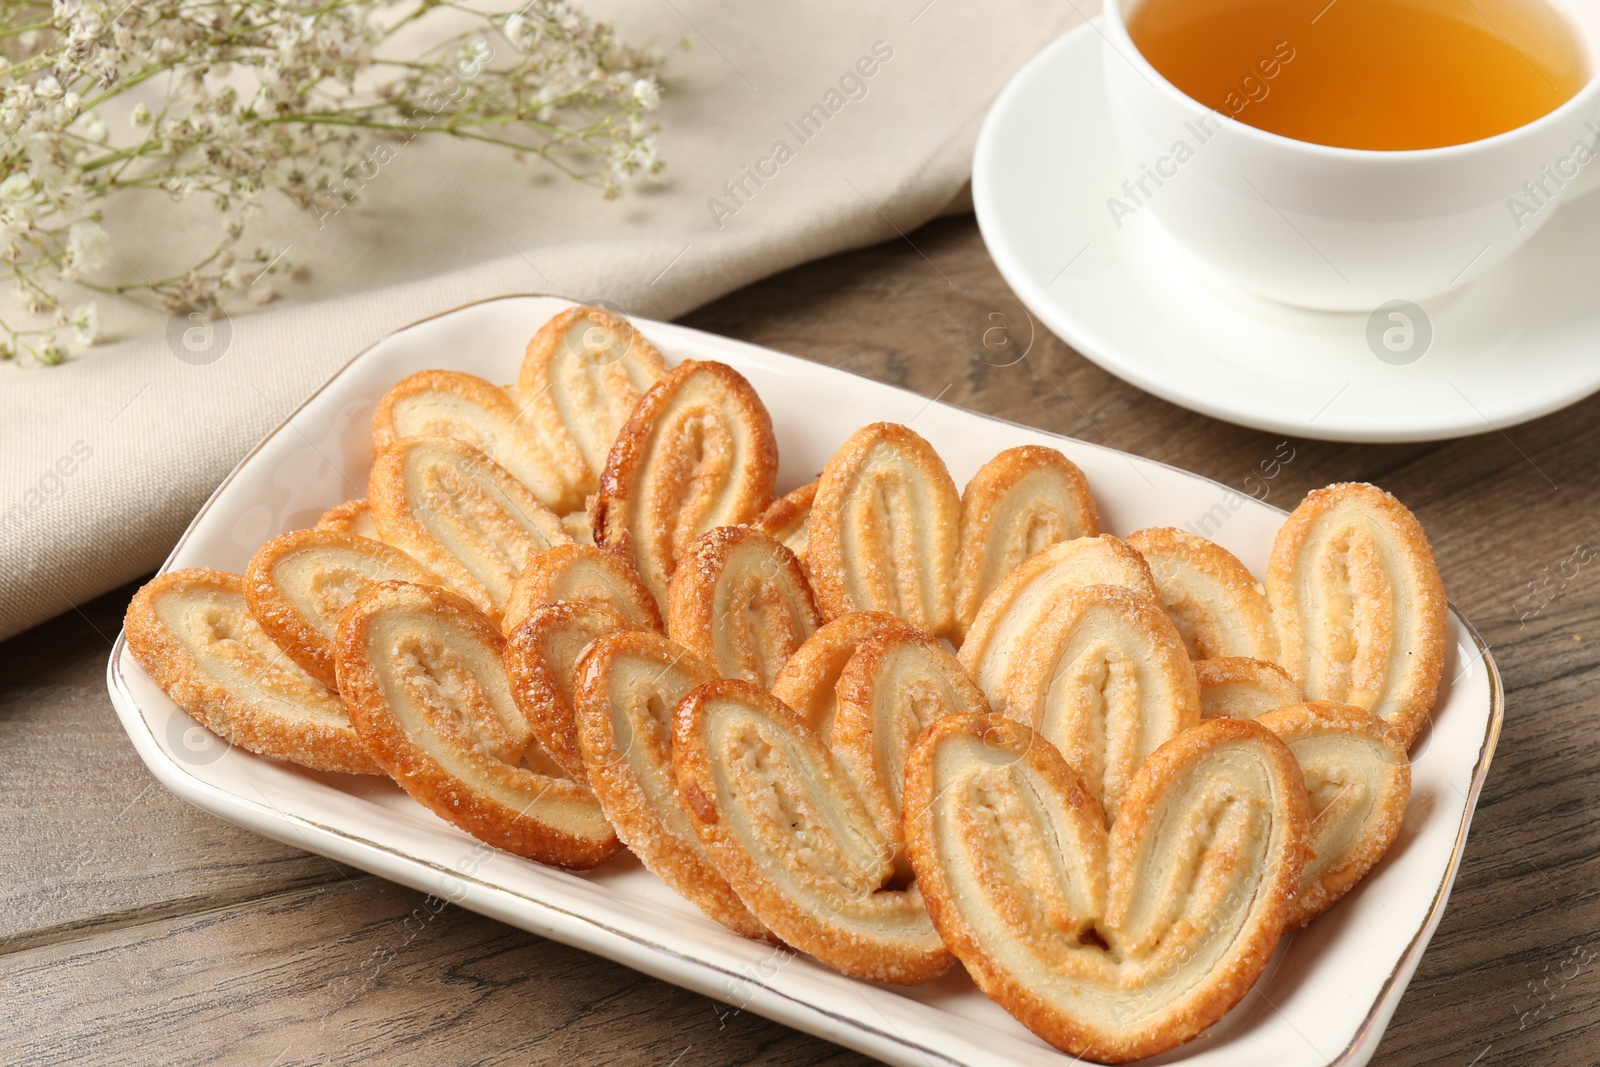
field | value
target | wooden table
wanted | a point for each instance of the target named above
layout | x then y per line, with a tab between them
134	928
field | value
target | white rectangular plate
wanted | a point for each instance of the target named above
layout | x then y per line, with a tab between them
1325	998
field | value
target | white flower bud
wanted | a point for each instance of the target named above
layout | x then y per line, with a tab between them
516	30
87	246
86	323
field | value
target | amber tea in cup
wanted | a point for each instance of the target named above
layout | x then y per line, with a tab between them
1367	74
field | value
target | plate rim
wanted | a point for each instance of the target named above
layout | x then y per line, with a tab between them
791	1011
1093	346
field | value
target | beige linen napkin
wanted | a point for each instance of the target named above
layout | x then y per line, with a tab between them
105	460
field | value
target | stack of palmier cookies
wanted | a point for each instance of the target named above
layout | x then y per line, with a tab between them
886	722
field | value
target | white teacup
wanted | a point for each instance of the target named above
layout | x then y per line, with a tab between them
1341	228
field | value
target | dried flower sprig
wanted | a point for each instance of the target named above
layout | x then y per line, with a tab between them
308	98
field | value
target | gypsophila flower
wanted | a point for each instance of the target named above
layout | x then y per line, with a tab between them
87	246
86	323
516	30
318	100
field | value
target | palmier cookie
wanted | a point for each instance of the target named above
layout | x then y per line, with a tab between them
1107	682
1217	604
299	583
628	686
894	686
447	403
1358	603
581	573
808	682
542	655
352	517
786	827
789	521
583	373
697	453
1018	504
421	671
1028	593
1237	688
193	632
1117	946
1358	780
739	600
461	514
886	529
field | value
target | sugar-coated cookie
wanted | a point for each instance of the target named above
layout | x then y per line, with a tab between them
697	453
581	376
1239	688
299	583
445	403
784	824
1110	946
628	686
1030	592
1217	604
1358	604
462	515
808	683
1018	504
1106	681
353	516
886	530
193	632
581	573
541	656
1358	781
789	520
421	672
739	600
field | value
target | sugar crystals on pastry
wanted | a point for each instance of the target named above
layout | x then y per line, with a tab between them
739	600
886	530
421	671
789	520
1031	591
1240	688
1358	781
628	686
193	632
1105	680
461	514
446	403
299	583
697	453
808	682
785	825
581	573
1018	504
896	683
582	374
1358	603
353	517
1111	945
541	656
1217	604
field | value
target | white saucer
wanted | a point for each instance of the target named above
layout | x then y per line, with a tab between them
1519	342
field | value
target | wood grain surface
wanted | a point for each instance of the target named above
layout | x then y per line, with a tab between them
135	929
